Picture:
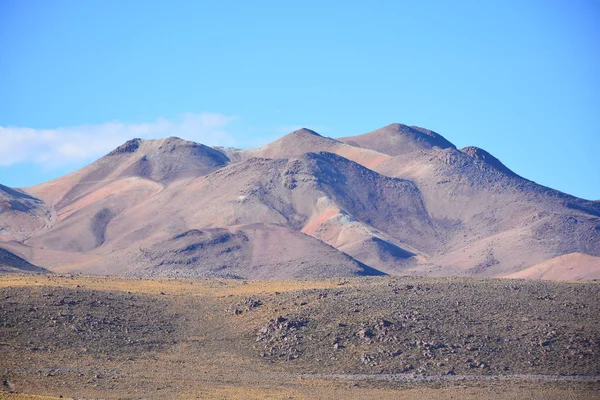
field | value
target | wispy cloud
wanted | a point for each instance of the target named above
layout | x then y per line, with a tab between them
67	145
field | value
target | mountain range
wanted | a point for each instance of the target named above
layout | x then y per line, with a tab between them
399	200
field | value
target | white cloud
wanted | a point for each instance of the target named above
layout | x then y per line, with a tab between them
67	145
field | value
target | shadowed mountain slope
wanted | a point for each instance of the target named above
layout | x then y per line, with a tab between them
21	215
256	251
11	263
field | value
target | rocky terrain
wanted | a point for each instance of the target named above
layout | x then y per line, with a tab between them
438	327
399	201
386	337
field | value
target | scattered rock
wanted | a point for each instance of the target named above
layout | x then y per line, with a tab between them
245	305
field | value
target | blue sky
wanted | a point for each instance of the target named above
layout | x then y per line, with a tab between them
520	79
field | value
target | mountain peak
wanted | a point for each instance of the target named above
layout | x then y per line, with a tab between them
396	126
396	139
159	160
129	146
304	131
428	138
482	155
167	145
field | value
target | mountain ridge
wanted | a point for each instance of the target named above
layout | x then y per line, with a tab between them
397	200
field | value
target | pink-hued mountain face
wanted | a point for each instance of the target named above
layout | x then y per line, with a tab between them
398	200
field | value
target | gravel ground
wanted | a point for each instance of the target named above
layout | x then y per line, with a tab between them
108	337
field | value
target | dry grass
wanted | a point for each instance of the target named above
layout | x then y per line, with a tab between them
195	287
299	392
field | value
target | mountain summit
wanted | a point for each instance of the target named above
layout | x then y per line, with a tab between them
486	157
396	139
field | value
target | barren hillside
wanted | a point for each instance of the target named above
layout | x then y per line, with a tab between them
398	200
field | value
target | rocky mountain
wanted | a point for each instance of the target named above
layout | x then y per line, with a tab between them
398	200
